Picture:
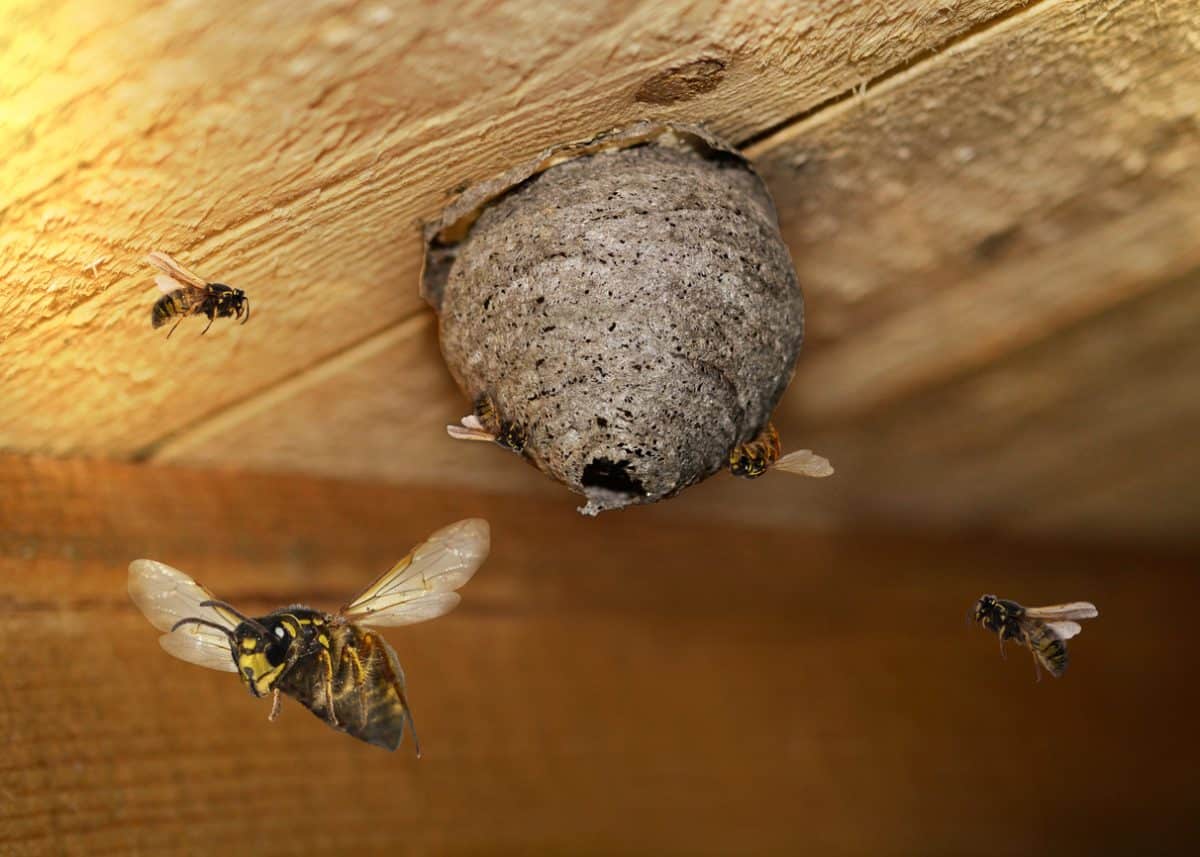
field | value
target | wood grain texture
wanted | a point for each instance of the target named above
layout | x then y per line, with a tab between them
620	685
1101	416
293	150
932	217
956	229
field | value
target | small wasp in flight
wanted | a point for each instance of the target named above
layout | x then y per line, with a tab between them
485	424
185	294
1043	630
332	664
753	459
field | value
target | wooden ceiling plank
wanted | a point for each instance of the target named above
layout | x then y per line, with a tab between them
1030	298
910	209
1048	427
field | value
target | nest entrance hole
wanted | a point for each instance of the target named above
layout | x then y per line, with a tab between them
611	476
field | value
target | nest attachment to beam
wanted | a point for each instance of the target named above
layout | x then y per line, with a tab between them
624	310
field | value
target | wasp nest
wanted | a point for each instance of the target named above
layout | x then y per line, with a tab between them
623	311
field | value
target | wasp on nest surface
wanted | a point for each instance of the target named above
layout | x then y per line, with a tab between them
751	460
334	665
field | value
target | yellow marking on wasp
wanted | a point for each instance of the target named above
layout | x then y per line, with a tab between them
249	644
362	678
323	640
329	686
262	674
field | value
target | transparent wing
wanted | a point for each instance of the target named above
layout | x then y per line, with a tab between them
1065	630
805	462
201	646
1063	612
471	429
166	595
174	270
421	586
166	284
460	433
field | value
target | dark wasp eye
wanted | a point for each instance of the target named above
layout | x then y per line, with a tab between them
277	653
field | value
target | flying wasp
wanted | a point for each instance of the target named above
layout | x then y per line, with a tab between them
1043	630
486	424
334	665
753	459
185	294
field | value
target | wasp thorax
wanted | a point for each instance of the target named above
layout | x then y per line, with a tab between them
628	305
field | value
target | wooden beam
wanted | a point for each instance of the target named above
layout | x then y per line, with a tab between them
1024	178
617	684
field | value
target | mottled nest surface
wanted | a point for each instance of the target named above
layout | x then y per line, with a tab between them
634	310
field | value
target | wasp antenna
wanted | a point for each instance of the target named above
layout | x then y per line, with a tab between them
196	620
247	318
224	605
1003	653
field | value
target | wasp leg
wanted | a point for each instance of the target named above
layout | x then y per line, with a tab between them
1003	651
211	317
275	707
1037	667
175	325
361	676
327	661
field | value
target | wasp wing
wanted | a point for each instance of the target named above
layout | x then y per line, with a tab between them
165	596
169	285
463	433
1063	612
471	429
175	271
805	462
1065	630
421	586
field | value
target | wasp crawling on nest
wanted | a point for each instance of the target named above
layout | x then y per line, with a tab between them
753	459
185	294
1043	630
332	664
486	425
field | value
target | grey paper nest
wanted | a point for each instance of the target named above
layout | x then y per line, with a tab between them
628	302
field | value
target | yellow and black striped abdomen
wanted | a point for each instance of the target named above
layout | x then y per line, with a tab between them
176	304
1047	646
362	678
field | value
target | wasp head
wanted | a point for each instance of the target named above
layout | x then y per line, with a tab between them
260	650
230	301
992	613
